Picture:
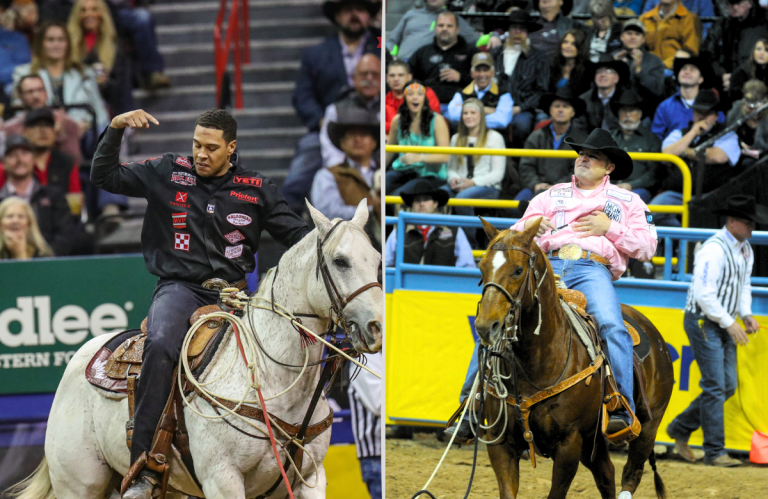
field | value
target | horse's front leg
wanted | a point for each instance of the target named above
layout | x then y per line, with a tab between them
506	465
225	483
566	463
602	467
316	492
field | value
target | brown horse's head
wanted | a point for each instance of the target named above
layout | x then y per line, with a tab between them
508	269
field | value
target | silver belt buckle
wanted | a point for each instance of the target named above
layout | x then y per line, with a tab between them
570	252
215	284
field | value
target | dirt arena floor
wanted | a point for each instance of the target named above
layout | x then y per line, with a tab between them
409	464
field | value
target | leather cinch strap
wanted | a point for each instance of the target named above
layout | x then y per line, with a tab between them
527	403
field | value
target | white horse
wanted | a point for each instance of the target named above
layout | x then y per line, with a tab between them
85	449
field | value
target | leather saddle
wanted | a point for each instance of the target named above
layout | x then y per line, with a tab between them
110	368
577	298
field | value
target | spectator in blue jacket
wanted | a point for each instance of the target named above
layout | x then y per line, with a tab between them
676	112
325	70
14	51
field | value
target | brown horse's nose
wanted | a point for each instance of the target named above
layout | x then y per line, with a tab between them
487	330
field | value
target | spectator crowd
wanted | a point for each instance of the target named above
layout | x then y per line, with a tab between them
660	76
66	68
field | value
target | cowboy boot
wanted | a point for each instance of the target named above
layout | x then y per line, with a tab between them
146	486
463	431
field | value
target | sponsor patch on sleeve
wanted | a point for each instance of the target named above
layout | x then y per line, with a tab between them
624	196
561	193
651	224
185	162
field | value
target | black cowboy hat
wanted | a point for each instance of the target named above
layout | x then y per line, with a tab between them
607	61
352	117
707	101
564	94
744	206
565	9
705	68
601	140
423	187
524	18
628	98
16	142
331	7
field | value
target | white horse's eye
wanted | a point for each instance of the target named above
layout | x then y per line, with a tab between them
342	263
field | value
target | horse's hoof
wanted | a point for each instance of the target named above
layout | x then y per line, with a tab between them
141	488
625	494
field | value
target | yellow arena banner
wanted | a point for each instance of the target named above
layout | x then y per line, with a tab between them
429	342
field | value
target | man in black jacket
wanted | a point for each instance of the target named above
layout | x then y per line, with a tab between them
730	41
610	78
444	66
59	229
523	71
201	230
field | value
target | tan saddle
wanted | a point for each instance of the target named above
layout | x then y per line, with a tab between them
125	361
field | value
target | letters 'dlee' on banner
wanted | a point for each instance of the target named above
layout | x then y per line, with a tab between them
49	308
429	342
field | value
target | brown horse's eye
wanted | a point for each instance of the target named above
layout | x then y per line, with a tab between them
518	272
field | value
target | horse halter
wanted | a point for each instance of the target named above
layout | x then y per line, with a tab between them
512	319
338	301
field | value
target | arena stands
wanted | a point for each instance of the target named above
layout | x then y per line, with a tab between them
628	44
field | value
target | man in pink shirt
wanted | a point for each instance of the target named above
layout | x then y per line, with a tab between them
597	227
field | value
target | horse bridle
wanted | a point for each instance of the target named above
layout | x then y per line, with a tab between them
513	317
338	301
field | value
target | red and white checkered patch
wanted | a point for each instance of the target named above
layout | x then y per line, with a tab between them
234	237
181	242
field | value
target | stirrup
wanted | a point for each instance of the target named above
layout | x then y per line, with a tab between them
631	432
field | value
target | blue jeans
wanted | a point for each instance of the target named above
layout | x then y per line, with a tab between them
524	195
307	161
522	124
715	354
139	23
471	373
371	469
594	280
668	198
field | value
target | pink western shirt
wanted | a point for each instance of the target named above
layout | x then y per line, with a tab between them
631	234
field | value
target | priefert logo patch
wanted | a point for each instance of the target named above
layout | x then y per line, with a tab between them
244	197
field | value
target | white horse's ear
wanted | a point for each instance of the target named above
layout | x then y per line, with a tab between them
361	214
321	221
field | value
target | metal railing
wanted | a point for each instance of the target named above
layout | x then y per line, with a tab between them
539	153
238	28
667	234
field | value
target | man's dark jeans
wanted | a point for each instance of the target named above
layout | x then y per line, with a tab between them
715	353
168	322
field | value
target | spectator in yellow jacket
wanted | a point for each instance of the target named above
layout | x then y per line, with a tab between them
670	27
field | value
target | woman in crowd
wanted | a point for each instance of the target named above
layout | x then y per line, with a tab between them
416	125
604	37
475	177
754	69
753	133
20	237
569	68
96	45
65	78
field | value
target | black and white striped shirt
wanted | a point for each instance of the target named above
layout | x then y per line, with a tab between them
365	406
720	288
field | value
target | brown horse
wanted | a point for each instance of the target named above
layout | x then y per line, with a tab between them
565	426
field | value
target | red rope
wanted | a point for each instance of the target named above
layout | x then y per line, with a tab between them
266	419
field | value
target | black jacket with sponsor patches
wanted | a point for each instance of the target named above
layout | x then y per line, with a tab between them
196	228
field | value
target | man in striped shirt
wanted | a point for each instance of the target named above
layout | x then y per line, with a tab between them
720	291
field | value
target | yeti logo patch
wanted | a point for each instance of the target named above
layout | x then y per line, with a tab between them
613	211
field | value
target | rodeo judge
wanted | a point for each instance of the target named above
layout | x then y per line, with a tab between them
202	226
720	291
589	229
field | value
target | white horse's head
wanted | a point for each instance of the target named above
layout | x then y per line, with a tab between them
353	266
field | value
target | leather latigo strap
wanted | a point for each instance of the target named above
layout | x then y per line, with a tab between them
251	412
592	256
527	403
